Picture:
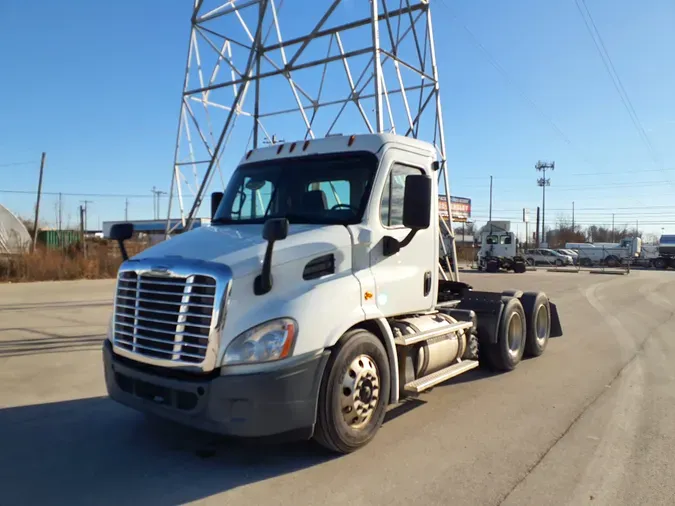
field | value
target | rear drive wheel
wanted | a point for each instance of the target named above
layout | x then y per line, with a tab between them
538	316
660	263
354	393
612	261
519	267
507	352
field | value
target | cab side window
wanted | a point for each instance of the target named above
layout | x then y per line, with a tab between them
391	205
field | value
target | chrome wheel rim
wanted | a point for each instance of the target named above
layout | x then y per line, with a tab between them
514	334
541	323
360	392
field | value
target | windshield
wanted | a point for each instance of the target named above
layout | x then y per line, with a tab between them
324	189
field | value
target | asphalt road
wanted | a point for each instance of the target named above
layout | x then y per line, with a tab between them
592	421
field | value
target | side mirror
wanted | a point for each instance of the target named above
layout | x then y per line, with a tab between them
121	232
216	197
417	202
275	229
416	212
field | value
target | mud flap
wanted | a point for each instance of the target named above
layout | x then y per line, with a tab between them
556	327
488	307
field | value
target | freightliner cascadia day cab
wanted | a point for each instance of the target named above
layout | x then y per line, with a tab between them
313	301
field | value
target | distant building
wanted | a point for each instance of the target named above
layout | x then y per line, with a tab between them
14	237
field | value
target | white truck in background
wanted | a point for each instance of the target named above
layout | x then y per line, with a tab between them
609	254
312	302
659	256
499	251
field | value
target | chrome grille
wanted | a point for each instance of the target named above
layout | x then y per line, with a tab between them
164	317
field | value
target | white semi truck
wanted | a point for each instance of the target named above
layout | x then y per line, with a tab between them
499	250
312	303
609	254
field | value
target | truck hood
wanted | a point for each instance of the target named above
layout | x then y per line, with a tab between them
242	248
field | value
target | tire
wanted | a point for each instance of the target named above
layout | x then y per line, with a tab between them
530	262
359	355
612	261
519	267
471	352
505	354
671	263
660	263
492	266
538	316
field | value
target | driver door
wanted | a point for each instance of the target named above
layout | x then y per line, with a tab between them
403	280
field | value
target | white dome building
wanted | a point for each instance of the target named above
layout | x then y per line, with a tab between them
14	237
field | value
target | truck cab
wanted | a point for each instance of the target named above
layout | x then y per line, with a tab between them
311	303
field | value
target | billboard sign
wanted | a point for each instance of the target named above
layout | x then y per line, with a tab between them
461	208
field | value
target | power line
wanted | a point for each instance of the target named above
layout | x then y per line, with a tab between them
13	164
113	195
493	61
575	174
616	80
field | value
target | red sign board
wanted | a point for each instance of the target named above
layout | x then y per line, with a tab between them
461	208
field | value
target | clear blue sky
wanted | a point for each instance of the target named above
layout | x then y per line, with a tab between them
97	85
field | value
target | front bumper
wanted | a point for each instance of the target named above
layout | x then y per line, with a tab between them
248	405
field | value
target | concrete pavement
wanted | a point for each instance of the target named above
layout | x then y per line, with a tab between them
592	421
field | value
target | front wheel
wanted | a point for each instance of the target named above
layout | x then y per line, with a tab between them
354	393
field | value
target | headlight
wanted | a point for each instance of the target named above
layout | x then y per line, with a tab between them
265	343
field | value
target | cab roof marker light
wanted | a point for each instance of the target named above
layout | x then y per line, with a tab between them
248	155
281	146
290	150
305	145
351	140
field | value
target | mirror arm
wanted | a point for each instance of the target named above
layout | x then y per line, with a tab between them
123	250
263	282
391	245
408	238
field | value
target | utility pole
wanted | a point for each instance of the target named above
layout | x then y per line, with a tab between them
573	229
85	211
543	182
490	199
82	214
126	209
612	227
60	212
37	204
155	201
536	235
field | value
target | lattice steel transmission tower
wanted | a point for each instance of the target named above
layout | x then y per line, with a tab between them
302	70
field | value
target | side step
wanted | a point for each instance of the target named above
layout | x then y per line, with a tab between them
425	382
429	334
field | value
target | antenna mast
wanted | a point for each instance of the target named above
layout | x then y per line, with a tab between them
355	67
